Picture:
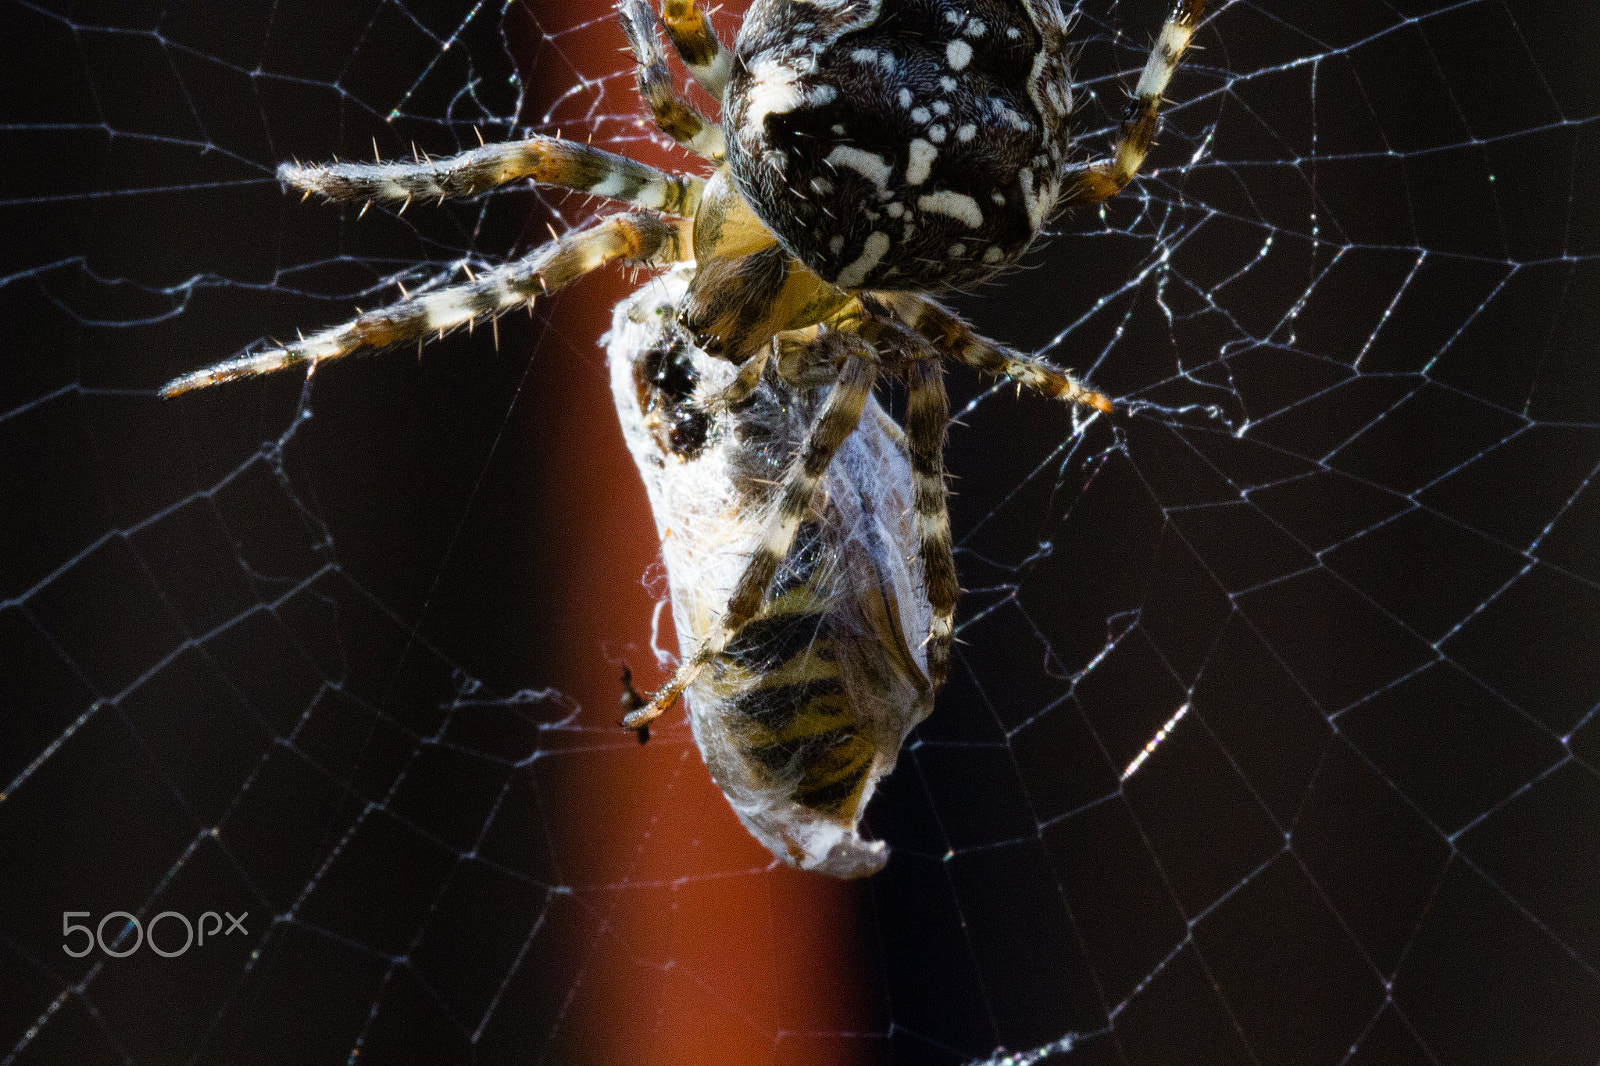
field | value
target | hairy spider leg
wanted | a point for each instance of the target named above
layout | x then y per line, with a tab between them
546	160
927	419
956	340
913	356
834	423
930	335
689	28
639	238
677	118
1091	183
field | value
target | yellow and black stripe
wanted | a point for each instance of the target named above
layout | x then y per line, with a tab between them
782	678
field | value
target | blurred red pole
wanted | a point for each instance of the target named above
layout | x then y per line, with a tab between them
751	968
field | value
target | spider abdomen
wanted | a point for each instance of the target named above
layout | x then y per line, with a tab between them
910	145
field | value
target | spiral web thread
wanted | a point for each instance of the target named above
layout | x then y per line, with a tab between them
1272	734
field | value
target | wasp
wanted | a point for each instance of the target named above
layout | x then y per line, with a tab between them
806	708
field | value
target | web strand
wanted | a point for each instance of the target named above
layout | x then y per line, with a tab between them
1271	730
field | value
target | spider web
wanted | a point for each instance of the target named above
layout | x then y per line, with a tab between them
343	655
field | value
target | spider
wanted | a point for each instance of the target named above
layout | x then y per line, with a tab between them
870	153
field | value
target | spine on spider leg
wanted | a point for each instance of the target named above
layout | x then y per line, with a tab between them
804	711
643	239
546	160
1168	52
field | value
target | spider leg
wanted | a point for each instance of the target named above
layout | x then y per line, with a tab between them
1090	183
954	339
677	119
546	160
927	418
835	422
697	43
640	238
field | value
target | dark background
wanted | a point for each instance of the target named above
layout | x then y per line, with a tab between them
264	646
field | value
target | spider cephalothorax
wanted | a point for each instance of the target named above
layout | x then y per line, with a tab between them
869	153
914	145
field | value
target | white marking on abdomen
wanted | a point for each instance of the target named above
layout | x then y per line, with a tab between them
956	205
919	159
872	252
773	93
868	164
